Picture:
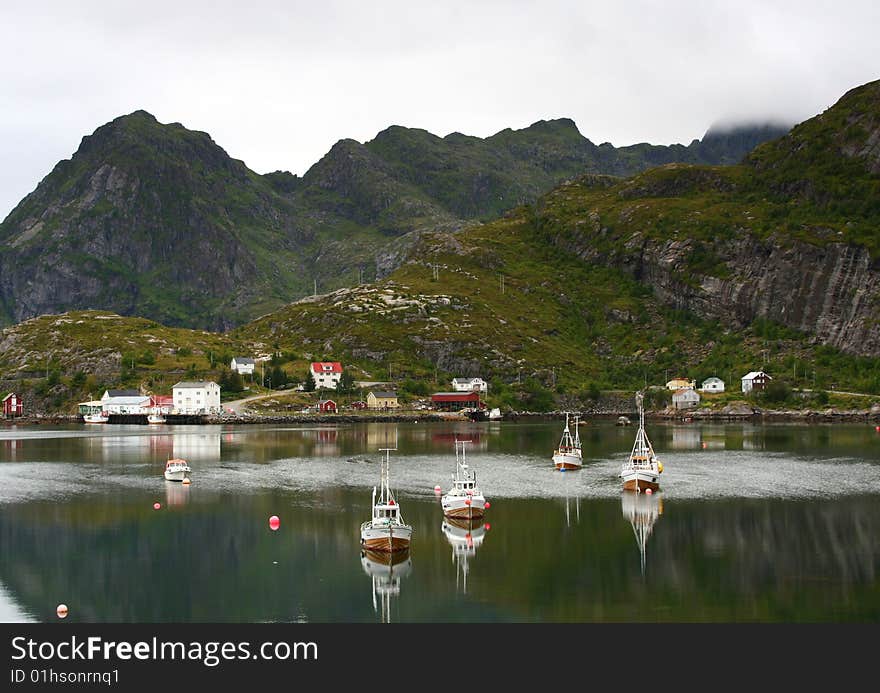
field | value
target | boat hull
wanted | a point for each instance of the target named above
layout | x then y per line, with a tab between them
640	480
176	476
455	506
386	539
567	460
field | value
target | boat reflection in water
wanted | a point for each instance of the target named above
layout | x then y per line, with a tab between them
464	536
176	494
642	511
386	569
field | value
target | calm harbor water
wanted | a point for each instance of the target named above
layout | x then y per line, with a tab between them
753	523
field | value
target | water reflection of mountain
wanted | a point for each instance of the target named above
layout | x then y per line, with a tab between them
386	570
464	536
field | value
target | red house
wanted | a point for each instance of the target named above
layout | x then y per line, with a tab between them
327	406
12	405
453	401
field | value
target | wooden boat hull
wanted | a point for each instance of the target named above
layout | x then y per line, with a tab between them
455	506
640	480
386	539
565	460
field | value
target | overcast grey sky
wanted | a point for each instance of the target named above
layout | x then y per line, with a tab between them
277	82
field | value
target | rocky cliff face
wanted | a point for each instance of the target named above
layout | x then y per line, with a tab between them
790	237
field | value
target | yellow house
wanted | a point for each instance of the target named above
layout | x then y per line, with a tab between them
382	400
681	384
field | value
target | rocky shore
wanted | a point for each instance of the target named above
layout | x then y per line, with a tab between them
734	412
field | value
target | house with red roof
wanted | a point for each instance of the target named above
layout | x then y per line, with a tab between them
326	373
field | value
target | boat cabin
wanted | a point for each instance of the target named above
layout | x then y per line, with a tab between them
389	511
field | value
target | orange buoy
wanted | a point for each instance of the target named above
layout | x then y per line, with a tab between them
186	481
274	522
61	610
467	501
156	506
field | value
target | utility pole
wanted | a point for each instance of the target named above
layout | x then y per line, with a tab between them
316	287
502	284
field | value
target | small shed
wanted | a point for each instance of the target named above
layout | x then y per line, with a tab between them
327	406
12	405
685	398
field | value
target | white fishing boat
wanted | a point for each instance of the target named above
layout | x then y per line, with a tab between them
642	511
465	537
568	453
177	469
155	416
464	499
495	414
386	530
97	417
386	570
641	471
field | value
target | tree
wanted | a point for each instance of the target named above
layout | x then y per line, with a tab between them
346	383
310	385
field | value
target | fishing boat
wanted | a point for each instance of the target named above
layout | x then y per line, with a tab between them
464	499
568	454
495	414
386	530
96	417
386	570
465	537
155	417
177	469
641	471
642	511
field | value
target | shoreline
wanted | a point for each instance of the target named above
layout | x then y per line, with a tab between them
756	416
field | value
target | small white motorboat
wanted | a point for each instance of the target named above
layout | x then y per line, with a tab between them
177	469
97	417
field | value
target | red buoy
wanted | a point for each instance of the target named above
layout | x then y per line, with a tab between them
156	506
467	501
488	504
437	489
487	526
61	611
274	522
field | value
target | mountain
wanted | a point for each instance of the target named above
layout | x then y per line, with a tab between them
156	220
601	282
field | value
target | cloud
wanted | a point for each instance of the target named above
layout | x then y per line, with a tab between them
277	83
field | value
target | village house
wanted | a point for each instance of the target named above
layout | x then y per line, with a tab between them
686	398
201	397
382	400
455	401
162	404
12	405
469	385
681	384
755	380
124	402
326	374
326	406
243	365
712	384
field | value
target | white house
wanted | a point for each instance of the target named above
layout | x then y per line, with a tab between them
327	373
712	384
243	365
124	402
686	398
196	397
469	385
755	380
